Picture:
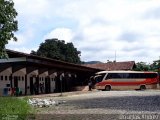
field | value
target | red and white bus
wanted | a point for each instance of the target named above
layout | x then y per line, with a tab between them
107	80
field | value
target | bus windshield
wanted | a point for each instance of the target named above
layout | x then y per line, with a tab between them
99	78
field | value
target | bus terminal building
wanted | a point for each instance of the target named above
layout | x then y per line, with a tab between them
27	72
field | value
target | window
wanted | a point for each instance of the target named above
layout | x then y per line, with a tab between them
6	78
129	75
22	78
124	75
7	85
114	75
10	78
99	78
1	77
150	75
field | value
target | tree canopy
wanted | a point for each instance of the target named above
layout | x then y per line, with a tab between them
59	50
142	66
155	66
8	24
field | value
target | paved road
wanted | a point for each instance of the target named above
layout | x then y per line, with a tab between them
107	105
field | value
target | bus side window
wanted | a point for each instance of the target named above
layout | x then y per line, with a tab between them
117	75
126	75
109	76
120	75
131	75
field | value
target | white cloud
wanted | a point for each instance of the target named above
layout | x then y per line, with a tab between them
60	33
97	28
23	38
24	49
101	32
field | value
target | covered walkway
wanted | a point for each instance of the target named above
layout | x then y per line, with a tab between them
36	75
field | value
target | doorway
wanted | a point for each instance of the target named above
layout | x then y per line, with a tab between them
31	86
47	85
15	81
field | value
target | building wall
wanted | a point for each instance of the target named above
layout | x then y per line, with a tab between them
20	76
5	80
52	78
42	80
31	75
25	80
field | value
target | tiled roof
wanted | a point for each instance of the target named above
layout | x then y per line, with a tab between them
128	65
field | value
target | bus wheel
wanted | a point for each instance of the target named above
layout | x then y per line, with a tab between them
108	88
142	87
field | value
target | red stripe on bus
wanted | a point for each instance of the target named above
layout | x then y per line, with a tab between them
145	82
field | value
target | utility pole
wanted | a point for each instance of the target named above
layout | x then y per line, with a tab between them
115	56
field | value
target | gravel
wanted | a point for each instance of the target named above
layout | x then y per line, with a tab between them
37	102
110	105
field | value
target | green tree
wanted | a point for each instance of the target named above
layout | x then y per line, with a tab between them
59	50
155	66
8	24
142	66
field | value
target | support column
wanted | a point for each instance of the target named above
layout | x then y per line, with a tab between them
26	84
11	80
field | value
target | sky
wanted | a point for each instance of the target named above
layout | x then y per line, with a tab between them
100	29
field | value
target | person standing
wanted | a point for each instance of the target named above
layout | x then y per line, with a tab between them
13	91
90	85
17	91
35	88
42	87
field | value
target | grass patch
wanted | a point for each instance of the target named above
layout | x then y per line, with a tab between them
14	107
